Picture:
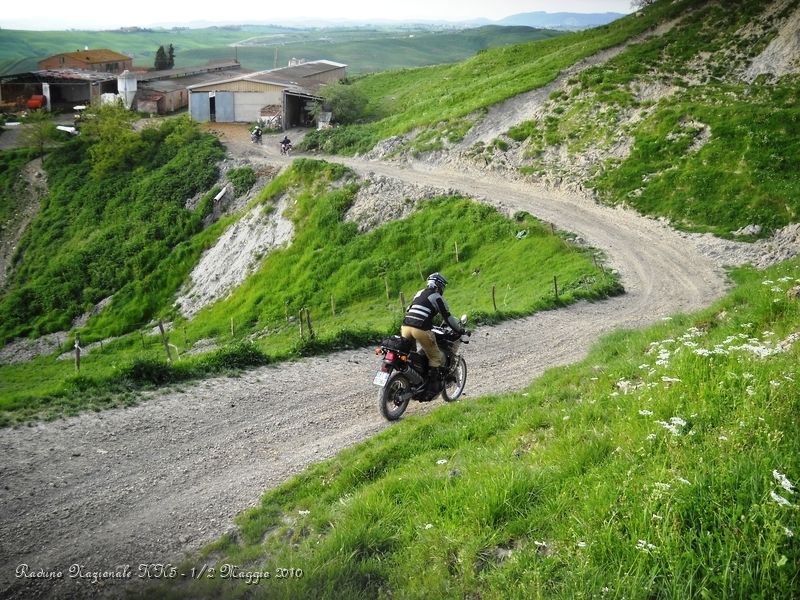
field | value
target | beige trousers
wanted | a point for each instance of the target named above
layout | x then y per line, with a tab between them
427	340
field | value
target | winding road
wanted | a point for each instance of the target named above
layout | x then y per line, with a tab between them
151	483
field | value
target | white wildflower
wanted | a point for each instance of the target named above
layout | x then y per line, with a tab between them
747	375
652	436
767	282
723	438
666	379
751	391
644	546
303	513
429	526
789	532
774	383
783	481
666	318
581	544
779	499
565	418
441	461
645	413
662	486
677	421
644	366
657	517
684	481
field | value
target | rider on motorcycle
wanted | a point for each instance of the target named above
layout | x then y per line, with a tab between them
418	322
286	143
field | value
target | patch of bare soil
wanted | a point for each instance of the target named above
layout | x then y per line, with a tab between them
32	186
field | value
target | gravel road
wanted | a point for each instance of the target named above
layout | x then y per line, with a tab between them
151	483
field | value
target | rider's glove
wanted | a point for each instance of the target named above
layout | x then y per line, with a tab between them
465	336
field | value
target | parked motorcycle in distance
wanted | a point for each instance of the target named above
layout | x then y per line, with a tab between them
255	136
286	149
403	373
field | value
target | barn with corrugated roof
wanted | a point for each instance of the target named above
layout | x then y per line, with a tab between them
282	97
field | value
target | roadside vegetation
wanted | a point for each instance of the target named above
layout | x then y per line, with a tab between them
119	242
707	151
403	100
665	465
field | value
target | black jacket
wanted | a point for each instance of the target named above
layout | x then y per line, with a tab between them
426	304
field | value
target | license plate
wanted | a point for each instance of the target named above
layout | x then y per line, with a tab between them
381	378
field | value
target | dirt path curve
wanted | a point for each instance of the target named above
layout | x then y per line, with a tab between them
153	482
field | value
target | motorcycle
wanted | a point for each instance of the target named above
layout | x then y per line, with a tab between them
403	373
255	137
286	149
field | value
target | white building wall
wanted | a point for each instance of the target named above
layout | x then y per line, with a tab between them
247	105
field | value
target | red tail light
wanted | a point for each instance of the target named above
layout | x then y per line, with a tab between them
390	355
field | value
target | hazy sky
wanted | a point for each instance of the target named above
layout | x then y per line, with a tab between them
94	14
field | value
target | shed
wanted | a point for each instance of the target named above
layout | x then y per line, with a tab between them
63	87
246	98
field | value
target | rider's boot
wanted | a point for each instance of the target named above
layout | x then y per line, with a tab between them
434	380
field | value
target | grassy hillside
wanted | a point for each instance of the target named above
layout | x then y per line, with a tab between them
350	282
363	49
665	465
707	150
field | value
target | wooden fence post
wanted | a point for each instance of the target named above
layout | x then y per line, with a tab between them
302	336
77	352
386	284
555	286
402	302
310	328
456	247
494	297
333	306
164	339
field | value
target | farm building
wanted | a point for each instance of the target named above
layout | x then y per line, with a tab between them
102	60
63	88
164	92
281	97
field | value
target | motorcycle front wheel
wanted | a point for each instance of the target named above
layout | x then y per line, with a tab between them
455	381
394	397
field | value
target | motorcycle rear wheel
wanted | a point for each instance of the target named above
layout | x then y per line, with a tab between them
394	397
455	381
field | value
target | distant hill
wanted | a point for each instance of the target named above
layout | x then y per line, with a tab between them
362	49
561	20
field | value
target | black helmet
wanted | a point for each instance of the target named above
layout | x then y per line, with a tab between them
437	280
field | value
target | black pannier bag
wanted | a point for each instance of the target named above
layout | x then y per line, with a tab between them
398	344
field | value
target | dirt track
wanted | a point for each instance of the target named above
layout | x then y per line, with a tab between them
153	482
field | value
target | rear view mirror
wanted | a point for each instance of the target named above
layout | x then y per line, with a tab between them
464	319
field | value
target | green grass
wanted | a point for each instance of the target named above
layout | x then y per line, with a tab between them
655	468
350	283
743	174
713	157
124	234
403	100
